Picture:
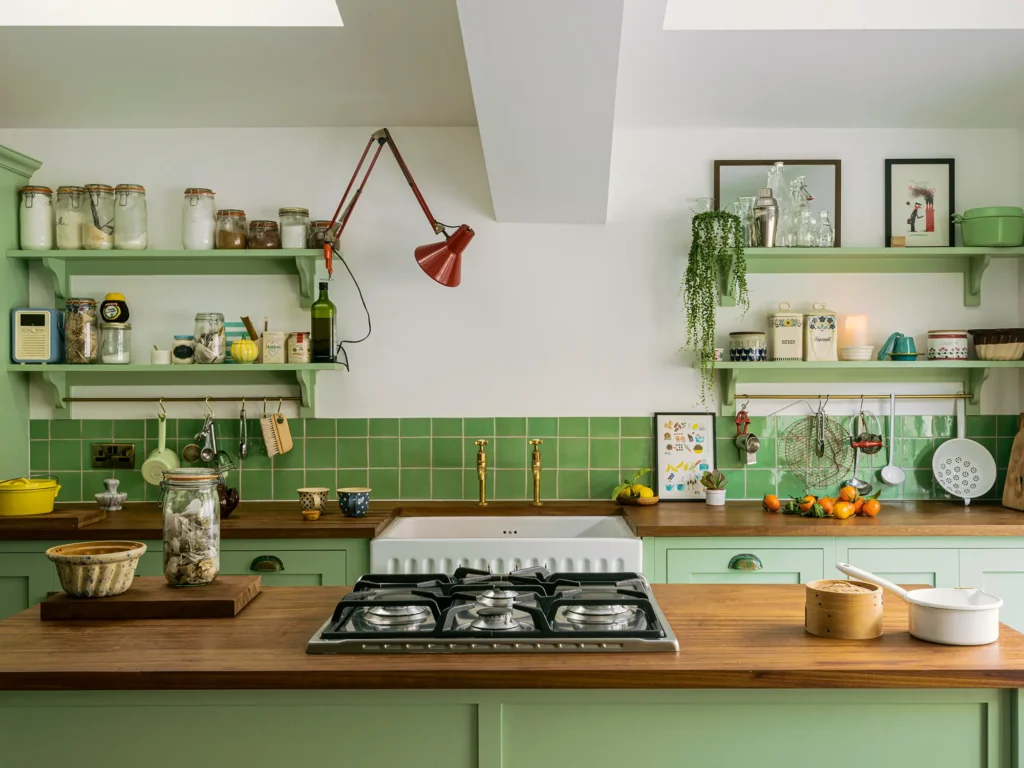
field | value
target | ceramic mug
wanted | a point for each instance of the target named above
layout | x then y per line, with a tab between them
899	347
311	500
354	501
228	499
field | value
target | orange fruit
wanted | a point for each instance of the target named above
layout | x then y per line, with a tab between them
842	510
807	502
871	507
827	504
771	503
858	505
848	494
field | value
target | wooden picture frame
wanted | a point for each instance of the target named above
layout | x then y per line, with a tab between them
837	192
937	204
684	448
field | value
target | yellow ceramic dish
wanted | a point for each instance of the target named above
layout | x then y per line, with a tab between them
27	496
244	350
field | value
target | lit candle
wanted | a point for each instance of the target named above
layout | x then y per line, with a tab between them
855	331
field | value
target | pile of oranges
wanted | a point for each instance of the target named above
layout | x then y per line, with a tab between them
847	504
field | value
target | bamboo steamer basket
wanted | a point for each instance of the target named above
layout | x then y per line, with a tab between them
843	615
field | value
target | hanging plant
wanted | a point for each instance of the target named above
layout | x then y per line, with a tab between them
716	262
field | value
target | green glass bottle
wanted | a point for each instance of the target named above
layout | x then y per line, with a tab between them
323	315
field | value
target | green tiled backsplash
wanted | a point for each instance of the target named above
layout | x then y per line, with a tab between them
416	459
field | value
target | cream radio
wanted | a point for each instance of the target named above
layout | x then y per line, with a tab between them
36	335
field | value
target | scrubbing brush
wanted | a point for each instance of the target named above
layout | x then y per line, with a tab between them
277	435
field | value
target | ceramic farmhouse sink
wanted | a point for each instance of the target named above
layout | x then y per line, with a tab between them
500	544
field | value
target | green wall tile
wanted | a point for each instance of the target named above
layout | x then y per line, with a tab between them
510	426
918	484
38	456
384	483
573	484
725	426
71	487
510	452
736	483
100	429
39	429
321	452
446	427
574	426
257	458
727	455
322	478
760	482
189	428
65	455
636	426
542	426
352	478
1006	426
65	430
790	486
548	485
981	426
226	429
990	445
130	482
353	427
916	452
510	484
321	427
471	485
636	452
415	427
298	429
548	452
352	452
604	453
92	483
256	485
887	491
287	483
446	484
573	453
766	455
415	453
945	426
294	459
415	484
384	452
602	483
478	428
470	449
604	426
762	426
1004	445
446	452
384	428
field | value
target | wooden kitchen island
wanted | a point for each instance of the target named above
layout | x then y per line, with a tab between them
749	687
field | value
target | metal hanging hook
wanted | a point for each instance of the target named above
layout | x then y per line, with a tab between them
163	411
209	408
744	406
280	404
264	407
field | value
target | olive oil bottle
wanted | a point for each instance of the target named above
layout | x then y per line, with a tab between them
324	317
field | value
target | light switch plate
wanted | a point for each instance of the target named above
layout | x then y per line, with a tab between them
113	456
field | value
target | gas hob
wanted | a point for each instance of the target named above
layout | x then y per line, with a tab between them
472	611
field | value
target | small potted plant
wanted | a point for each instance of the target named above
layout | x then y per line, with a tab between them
714	488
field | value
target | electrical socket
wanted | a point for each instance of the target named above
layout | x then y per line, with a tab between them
113	456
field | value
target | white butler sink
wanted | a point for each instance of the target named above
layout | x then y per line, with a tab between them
597	544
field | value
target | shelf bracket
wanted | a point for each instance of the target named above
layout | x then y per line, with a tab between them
973	272
973	382
57	384
61	280
727	381
306	267
307	390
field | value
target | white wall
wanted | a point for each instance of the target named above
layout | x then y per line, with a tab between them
550	319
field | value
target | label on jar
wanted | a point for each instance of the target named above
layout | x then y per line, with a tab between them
298	348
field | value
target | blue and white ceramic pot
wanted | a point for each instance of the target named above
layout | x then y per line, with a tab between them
748	347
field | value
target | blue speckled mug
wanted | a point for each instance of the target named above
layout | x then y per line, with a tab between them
354	501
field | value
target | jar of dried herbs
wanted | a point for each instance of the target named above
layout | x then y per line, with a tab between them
230	229
191	509
263	234
318	233
81	332
210	338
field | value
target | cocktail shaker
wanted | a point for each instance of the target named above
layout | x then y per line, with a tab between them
766	218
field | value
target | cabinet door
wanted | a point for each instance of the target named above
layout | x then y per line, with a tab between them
933	567
287	568
25	578
1001	572
744	566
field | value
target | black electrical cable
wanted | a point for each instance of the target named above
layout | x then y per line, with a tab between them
369	323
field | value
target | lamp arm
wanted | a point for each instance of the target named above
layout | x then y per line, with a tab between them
385	135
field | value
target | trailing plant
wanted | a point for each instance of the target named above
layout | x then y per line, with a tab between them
716	262
714	481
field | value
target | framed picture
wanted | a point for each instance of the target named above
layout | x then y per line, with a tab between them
684	445
919	202
822	185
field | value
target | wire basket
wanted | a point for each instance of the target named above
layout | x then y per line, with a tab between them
817	450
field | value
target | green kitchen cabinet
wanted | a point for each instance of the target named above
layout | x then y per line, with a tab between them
25	579
297	562
738	560
1001	572
934	566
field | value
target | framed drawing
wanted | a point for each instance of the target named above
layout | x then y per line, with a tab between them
684	447
919	202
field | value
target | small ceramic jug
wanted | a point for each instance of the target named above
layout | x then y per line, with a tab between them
110	500
899	347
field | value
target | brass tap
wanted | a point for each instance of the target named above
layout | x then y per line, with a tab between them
536	473
481	471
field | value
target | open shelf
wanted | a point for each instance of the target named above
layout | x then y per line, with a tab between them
60	378
970	262
63	265
969	374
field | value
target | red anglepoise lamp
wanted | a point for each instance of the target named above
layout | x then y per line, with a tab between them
441	261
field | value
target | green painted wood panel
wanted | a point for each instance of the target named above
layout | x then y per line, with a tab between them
25	579
711	566
301	569
935	567
1001	572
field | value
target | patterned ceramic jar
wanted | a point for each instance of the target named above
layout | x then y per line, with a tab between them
787	333
821	335
947	345
748	347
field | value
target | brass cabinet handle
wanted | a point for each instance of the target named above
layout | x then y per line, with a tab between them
746	562
267	563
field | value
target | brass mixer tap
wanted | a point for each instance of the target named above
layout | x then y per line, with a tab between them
535	463
481	471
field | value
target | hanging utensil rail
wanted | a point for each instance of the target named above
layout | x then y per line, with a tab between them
238	399
959	396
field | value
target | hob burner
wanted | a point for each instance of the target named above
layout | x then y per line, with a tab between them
498	597
599	614
494	618
396	615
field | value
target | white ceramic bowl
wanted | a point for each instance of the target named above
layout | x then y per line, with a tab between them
857	353
96	568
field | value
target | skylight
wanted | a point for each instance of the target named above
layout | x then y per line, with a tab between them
179	13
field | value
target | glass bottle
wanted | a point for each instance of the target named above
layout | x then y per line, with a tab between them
198	219
116	344
36	218
210	338
807	229
191	510
230	229
69	212
323	316
131	230
81	333
826	235
98	218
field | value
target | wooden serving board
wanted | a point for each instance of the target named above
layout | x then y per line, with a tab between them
151	597
1013	488
65	519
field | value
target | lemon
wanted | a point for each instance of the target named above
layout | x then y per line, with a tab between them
642	491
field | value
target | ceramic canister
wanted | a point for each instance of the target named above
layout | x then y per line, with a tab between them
786	334
947	345
820	335
747	347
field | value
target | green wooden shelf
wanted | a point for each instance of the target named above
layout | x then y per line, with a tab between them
969	374
970	262
63	265
61	378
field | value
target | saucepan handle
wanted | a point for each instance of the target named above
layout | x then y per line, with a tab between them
857	573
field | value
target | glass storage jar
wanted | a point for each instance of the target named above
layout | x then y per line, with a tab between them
263	234
210	338
116	346
198	219
68	211
183	351
98	218
318	233
294	227
81	333
191	510
36	218
131	229
230	229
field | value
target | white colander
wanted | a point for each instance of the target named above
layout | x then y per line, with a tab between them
963	467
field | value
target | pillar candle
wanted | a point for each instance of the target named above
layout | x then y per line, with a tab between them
855	331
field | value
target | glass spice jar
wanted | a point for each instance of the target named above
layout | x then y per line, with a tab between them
36	218
263	234
69	211
116	348
81	333
131	228
210	338
191	510
230	229
318	233
294	227
98	218
198	219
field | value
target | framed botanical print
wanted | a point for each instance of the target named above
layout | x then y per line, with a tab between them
919	202
684	444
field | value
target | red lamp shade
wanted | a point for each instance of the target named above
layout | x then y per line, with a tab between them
443	261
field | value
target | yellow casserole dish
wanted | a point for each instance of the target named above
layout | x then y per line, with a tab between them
28	496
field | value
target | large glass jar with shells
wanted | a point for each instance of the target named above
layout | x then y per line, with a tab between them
191	509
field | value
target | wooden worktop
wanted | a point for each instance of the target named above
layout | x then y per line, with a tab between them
730	637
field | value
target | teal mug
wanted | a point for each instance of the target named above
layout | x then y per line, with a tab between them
899	347
354	501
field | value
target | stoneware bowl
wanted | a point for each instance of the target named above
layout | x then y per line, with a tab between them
96	568
354	501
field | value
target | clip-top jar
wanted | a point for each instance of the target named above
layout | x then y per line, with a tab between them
263	234
230	229
81	332
191	510
294	227
68	211
131	227
36	218
198	219
98	219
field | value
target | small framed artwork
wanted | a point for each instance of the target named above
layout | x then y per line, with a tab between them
684	445
919	202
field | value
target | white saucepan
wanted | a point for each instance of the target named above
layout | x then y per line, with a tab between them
944	615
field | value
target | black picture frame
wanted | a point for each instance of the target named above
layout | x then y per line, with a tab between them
950	164
662	457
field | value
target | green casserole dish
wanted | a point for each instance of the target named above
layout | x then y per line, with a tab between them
992	227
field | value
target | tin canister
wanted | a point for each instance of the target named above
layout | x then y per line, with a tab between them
786	334
298	347
821	335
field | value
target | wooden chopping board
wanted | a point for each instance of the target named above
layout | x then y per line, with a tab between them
151	597
67	519
1013	489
